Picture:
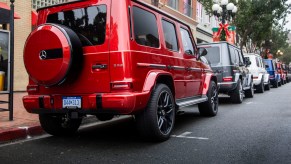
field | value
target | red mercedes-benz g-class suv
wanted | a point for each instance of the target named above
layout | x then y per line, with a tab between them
112	57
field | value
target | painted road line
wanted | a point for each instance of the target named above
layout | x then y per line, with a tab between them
248	103
185	135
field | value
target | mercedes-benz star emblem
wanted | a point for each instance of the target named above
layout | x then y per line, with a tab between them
42	55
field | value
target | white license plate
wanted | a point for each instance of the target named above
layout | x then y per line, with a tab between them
72	102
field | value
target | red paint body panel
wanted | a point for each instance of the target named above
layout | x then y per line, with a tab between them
126	61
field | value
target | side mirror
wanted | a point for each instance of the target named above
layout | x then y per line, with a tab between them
188	52
248	62
202	51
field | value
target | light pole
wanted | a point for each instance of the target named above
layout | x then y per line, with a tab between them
223	9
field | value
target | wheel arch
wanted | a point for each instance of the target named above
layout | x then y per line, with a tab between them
155	77
208	78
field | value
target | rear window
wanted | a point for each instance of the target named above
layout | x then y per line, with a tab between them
213	55
89	23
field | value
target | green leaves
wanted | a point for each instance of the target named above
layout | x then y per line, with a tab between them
255	19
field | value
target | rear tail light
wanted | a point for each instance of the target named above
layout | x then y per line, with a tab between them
272	76
227	79
255	77
121	85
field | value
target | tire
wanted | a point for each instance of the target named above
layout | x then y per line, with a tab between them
250	92
156	122
280	83
237	95
58	125
275	84
209	108
260	87
267	87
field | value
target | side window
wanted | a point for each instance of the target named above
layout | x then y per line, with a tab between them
89	23
187	42
257	62
145	28
262	63
170	35
241	60
234	56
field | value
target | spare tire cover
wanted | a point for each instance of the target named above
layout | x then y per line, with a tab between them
49	53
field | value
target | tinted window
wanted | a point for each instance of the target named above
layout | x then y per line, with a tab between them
89	23
186	40
213	55
170	35
234	56
145	28
257	62
238	53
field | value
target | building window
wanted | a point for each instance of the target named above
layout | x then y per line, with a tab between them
36	4
199	12
188	10
173	3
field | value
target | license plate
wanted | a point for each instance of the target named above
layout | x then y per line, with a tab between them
72	102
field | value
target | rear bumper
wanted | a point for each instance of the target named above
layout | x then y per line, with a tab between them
257	81
121	103
225	87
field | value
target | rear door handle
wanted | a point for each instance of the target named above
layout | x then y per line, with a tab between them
99	66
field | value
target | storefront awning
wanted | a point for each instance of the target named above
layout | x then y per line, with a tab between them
4	13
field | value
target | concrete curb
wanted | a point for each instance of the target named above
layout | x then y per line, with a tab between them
32	130
20	133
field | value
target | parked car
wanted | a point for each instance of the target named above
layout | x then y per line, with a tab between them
101	58
281	72
275	77
227	62
286	71
258	70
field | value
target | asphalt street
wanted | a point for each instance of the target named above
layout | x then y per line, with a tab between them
256	131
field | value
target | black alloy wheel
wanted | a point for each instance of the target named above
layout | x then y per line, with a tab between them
209	108
267	87
238	94
250	92
156	122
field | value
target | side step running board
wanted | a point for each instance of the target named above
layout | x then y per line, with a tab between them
184	103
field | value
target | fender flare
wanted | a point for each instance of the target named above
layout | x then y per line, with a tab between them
208	78
261	76
267	77
250	79
151	79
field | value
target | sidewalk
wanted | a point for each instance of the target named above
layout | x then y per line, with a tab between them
23	125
